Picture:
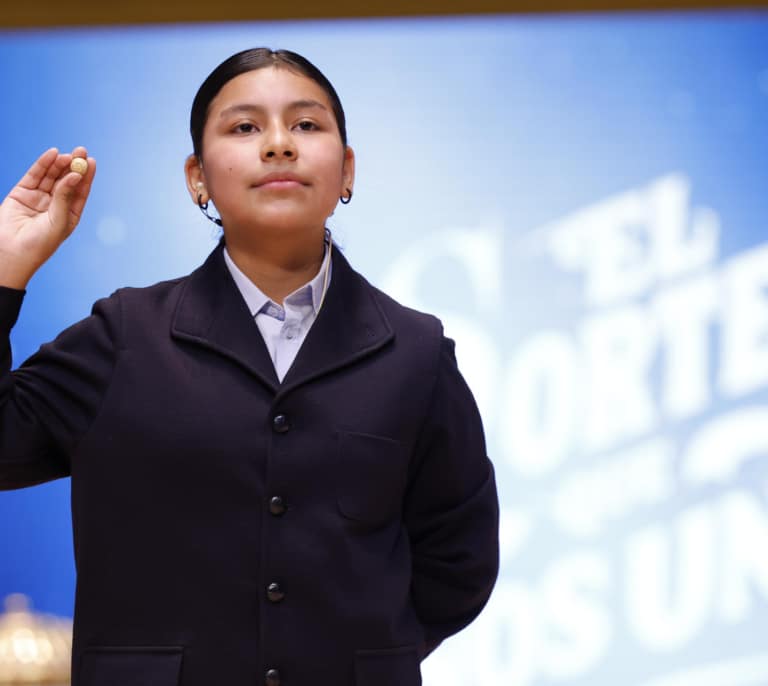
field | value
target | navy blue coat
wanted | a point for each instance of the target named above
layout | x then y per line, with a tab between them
230	529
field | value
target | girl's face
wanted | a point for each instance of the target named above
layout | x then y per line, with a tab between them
272	159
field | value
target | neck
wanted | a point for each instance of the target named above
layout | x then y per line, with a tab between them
277	267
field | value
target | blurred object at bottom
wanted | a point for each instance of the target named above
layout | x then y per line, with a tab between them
34	648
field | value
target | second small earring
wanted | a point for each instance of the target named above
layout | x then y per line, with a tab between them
204	205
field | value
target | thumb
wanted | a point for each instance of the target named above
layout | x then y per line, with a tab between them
69	183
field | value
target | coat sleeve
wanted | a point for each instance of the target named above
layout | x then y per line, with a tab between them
47	405
451	510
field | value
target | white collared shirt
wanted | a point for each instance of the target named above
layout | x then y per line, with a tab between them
285	327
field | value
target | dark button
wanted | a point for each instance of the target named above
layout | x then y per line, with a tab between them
275	593
276	505
273	677
280	423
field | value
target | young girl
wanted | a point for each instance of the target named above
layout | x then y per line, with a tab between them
278	473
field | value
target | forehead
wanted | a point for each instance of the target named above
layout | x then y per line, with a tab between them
268	87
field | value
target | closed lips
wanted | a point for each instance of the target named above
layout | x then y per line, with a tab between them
280	179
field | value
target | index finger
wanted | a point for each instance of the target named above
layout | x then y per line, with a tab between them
38	171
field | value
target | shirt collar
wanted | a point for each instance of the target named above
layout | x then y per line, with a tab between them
256	299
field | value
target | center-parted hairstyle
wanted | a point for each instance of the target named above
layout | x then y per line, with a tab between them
251	60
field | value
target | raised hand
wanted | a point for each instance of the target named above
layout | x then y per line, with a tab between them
40	212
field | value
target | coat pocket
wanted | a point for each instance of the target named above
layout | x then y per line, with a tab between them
130	666
371	477
391	667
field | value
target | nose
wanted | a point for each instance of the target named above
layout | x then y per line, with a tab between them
278	143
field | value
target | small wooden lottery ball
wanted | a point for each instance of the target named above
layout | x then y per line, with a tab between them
79	165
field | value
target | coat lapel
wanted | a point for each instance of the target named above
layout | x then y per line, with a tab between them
213	314
349	326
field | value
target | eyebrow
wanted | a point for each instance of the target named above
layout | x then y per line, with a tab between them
250	107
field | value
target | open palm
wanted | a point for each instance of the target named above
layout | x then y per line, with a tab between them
40	212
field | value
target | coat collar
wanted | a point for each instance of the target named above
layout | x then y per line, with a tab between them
350	325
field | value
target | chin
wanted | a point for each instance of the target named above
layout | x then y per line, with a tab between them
280	223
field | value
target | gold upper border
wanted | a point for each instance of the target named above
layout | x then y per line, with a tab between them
50	13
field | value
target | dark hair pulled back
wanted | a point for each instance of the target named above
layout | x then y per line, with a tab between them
251	60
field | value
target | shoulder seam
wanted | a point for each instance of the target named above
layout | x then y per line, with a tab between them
432	399
118	348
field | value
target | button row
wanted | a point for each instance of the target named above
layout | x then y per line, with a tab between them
277	507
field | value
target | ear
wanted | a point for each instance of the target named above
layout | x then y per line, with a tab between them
348	170
193	170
